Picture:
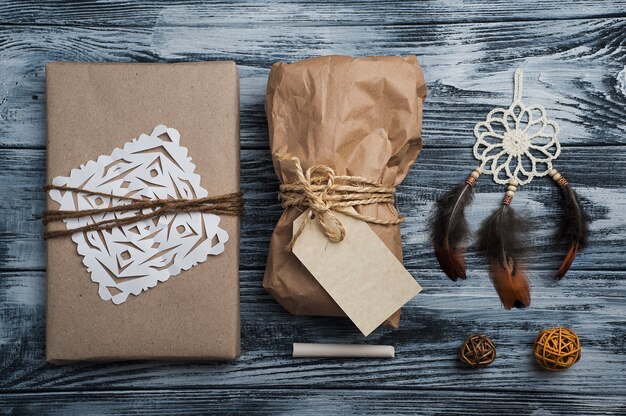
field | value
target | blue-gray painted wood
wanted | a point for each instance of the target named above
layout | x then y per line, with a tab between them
198	13
574	57
310	401
572	67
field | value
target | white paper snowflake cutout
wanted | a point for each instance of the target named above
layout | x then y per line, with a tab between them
135	257
518	143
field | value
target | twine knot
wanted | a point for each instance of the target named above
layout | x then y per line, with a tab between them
325	193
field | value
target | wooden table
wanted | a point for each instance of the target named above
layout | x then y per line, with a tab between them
574	57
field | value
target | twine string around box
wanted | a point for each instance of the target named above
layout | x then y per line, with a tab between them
324	193
227	204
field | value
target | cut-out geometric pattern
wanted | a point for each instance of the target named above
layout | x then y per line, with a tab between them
133	258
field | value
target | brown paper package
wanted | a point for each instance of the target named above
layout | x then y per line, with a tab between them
93	108
360	116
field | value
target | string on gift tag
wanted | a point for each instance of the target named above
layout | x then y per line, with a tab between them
227	204
323	192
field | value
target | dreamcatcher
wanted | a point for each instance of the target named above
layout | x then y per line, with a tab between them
514	145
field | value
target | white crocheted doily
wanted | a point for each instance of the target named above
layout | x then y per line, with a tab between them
518	143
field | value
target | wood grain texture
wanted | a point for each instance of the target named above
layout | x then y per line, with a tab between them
572	68
434	325
573	54
304	13
310	402
590	170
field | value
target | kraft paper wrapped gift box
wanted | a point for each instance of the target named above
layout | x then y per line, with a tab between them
359	116
94	108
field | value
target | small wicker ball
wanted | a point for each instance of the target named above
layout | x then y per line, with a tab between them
477	351
557	348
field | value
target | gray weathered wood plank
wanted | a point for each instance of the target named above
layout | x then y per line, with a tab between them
277	13
434	324
590	169
575	65
313	402
574	68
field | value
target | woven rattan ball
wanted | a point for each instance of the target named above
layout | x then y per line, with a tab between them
557	348
477	351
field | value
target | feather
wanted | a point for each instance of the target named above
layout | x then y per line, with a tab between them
574	228
500	239
567	261
449	229
511	283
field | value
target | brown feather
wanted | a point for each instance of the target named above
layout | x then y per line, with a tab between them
511	283
449	230
501	238
452	261
567	261
573	229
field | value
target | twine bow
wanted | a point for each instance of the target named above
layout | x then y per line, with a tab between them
325	193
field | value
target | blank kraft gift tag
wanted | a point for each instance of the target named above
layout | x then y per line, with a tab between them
360	273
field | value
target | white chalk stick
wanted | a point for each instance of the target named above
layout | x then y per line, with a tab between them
302	350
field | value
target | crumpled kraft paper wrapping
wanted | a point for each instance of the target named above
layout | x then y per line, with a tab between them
360	116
